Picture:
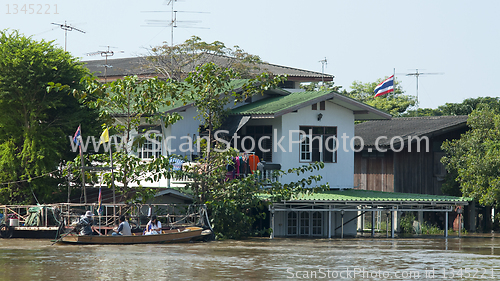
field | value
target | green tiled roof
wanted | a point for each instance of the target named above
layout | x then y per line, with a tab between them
277	104
372	196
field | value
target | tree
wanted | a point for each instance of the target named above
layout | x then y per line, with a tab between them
234	204
175	62
464	108
210	89
126	105
475	157
394	103
469	105
37	113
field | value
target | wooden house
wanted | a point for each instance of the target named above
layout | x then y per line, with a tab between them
406	157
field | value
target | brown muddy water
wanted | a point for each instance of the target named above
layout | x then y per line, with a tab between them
471	258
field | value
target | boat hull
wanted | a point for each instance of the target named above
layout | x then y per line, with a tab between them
169	236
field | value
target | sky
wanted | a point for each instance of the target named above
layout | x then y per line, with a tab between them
456	42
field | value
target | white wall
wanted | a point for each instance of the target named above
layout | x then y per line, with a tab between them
339	174
183	128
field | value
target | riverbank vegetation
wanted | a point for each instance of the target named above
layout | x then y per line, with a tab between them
37	113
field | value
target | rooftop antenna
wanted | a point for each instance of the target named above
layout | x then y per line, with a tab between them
324	63
417	74
107	53
67	28
173	20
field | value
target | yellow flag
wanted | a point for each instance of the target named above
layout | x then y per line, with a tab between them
104	136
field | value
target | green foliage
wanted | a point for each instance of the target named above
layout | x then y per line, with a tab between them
234	205
464	108
395	103
208	87
406	222
37	113
475	157
469	105
126	104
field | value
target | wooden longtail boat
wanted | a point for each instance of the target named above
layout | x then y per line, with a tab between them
168	236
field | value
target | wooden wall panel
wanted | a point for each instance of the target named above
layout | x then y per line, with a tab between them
374	173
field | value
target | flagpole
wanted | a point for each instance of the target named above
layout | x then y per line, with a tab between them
83	163
394	74
112	172
99	203
393	82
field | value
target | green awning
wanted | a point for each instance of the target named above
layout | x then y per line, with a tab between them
367	196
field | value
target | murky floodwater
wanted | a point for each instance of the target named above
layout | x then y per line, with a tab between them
257	259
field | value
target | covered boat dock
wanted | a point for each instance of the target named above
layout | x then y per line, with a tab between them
334	213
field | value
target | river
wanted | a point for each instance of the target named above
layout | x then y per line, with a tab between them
258	259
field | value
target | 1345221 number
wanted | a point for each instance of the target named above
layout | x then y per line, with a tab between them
32	9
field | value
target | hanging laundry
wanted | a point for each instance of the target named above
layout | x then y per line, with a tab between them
253	160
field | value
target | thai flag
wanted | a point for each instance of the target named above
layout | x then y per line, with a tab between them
76	137
385	87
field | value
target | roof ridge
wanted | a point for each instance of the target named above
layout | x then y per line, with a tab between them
289	67
429	117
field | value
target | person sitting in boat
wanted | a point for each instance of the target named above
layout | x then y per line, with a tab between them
85	224
153	226
123	228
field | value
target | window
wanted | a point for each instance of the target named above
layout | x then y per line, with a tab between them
151	148
304	223
292	223
322	105
305	149
318	144
317	224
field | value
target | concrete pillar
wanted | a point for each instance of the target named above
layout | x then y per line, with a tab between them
420	216
373	224
342	224
360	220
392	223
330	221
396	225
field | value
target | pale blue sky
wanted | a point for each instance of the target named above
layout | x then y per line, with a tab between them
362	39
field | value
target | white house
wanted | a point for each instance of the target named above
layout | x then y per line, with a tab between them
326	119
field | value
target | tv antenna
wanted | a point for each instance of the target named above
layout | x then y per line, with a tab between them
173	22
417	74
107	53
324	63
67	28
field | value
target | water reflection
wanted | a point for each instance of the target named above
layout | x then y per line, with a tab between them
254	259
